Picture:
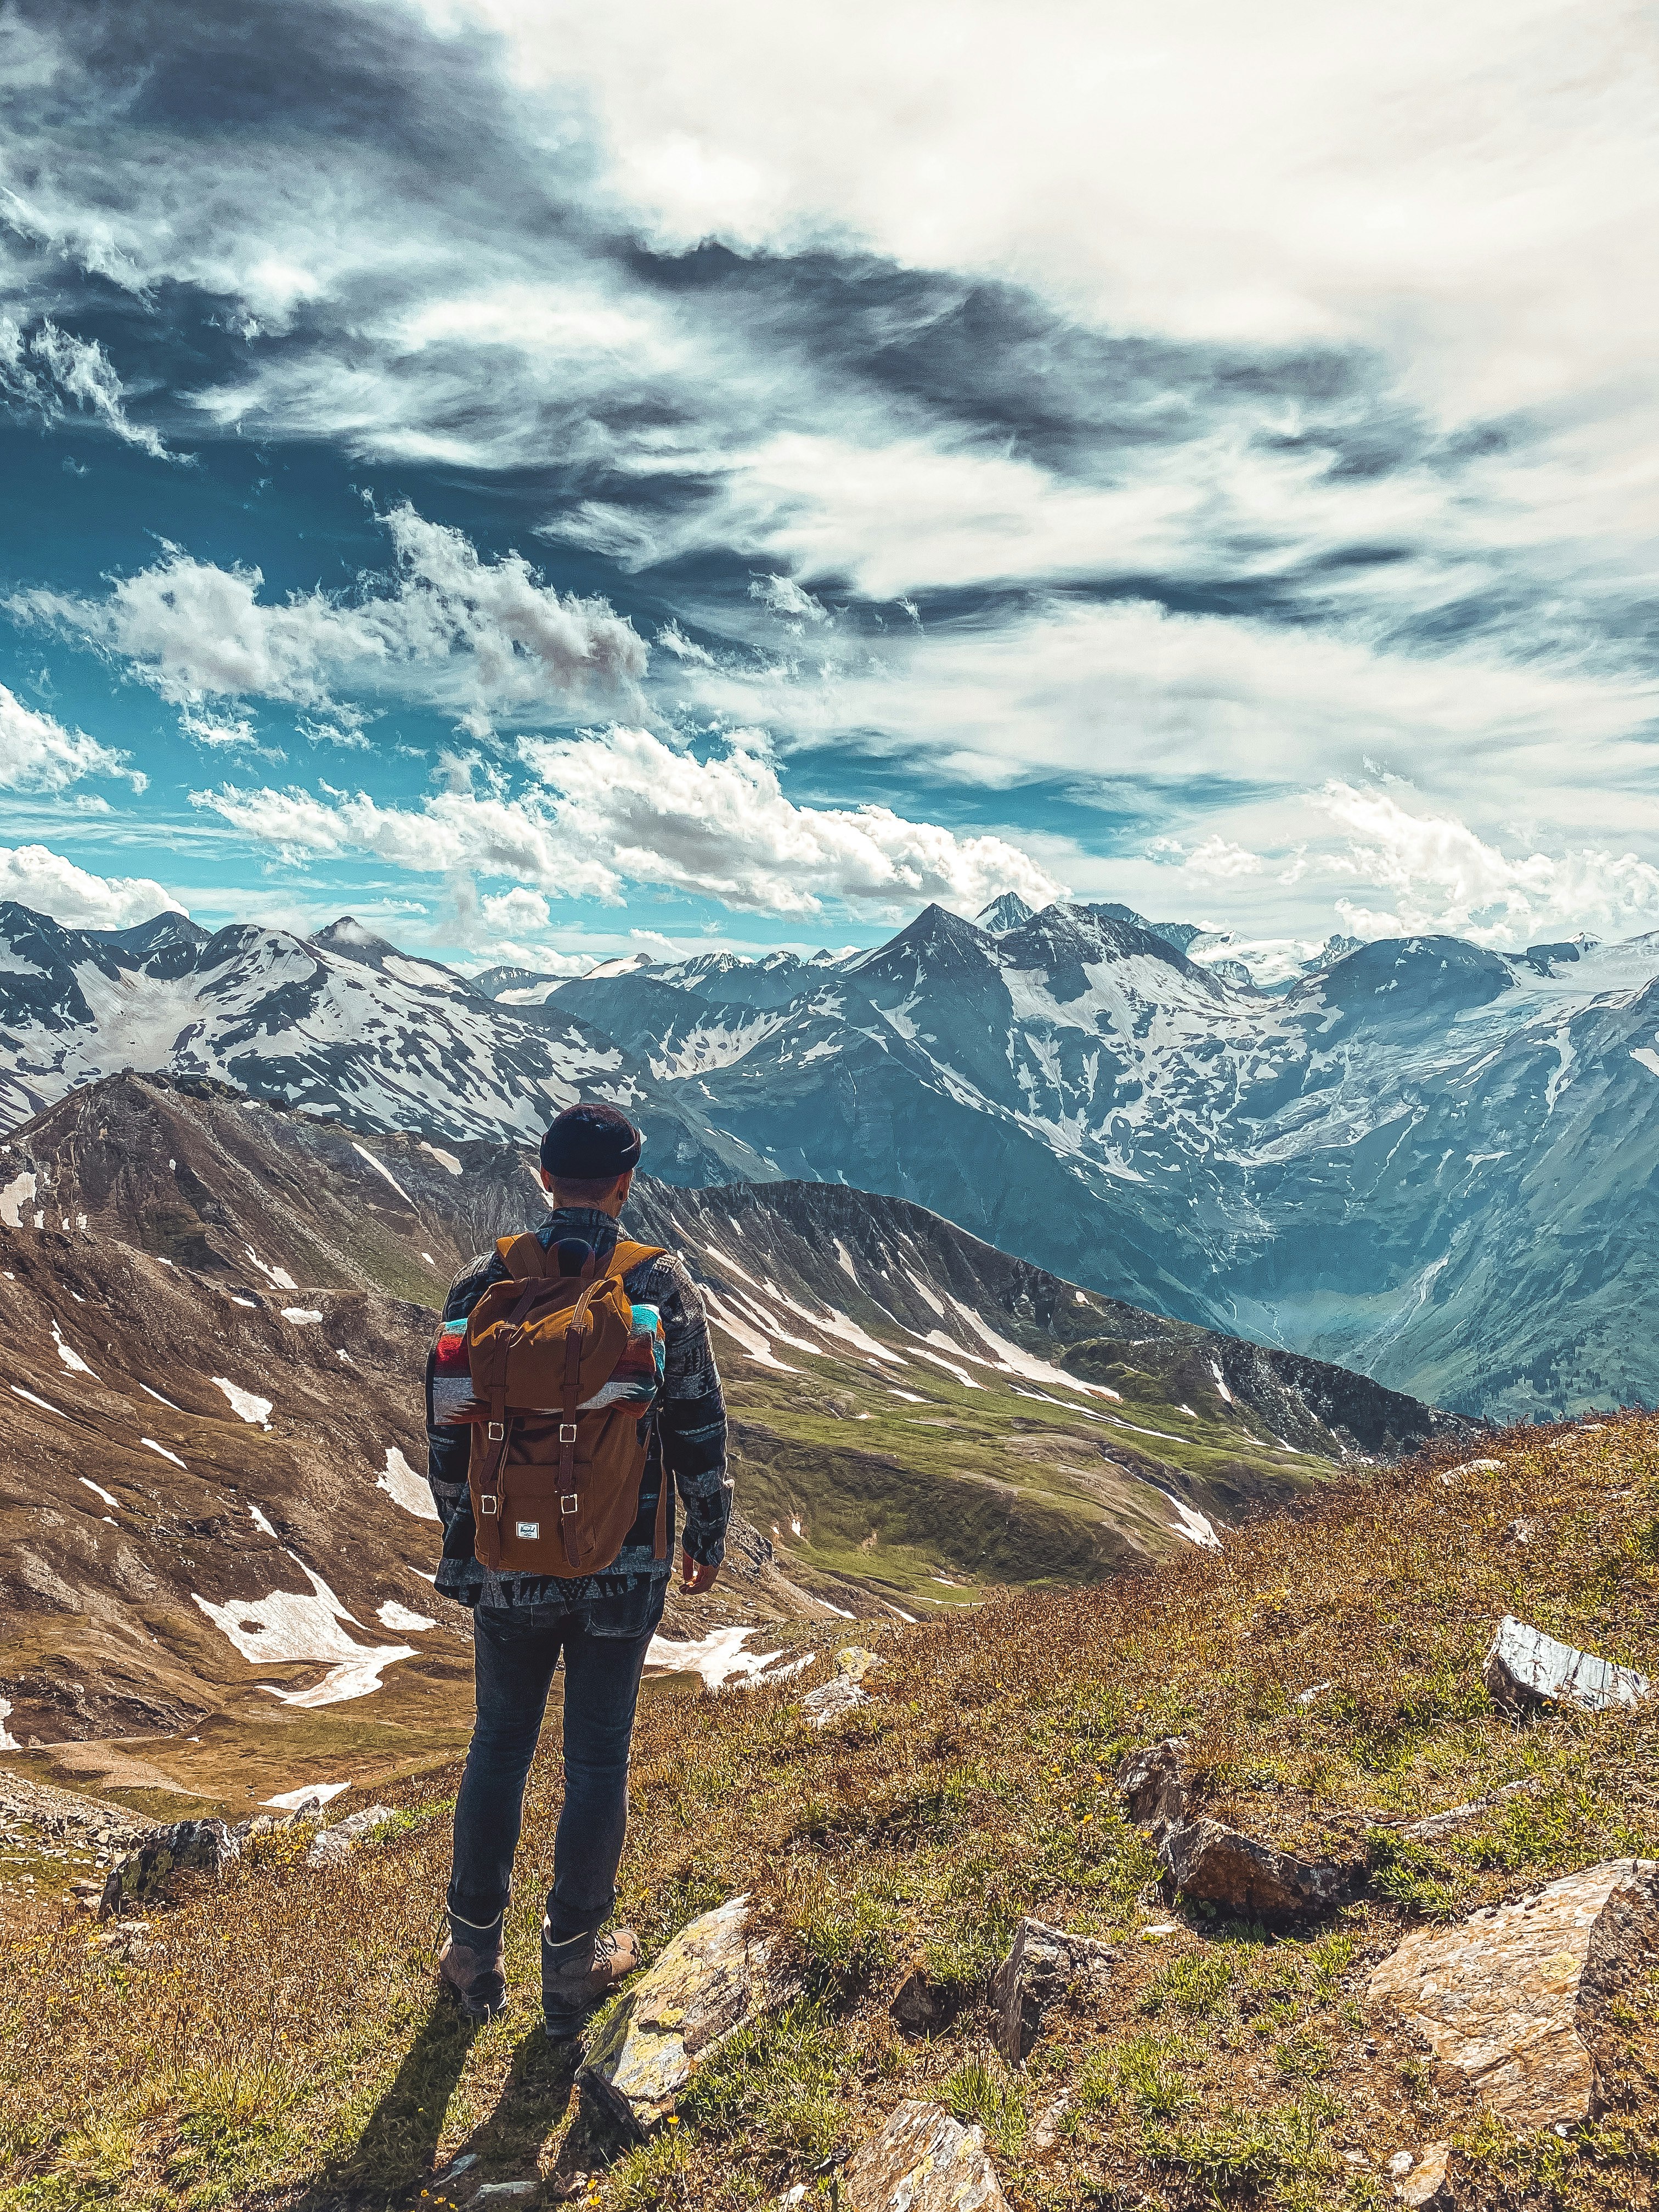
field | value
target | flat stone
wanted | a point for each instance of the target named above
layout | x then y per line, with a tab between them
854	1661
831	1699
923	2161
1152	1785
1507	1997
1210	1860
187	1846
1042	1967
716	1974
504	2192
1526	1667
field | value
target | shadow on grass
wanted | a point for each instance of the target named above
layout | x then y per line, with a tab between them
395	2152
534	2100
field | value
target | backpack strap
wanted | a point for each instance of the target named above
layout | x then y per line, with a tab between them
570	1498
523	1255
626	1256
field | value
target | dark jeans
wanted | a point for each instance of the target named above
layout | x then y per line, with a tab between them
516	1648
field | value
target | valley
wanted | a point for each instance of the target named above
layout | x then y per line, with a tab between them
218	1536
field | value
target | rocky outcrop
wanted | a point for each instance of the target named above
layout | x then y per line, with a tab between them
841	1694
1207	1860
923	2161
1419	2177
1511	1997
333	1847
1153	1786
1434	1826
189	1846
1042	1967
717	1973
1525	1668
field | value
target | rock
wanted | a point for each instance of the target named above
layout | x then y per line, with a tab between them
1039	1970
333	1847
1153	1786
1207	1859
1472	1466
188	1845
1518	1532
458	2165
923	2161
716	1974
831	1699
1524	1667
1437	1825
855	1662
1506	1997
1045	2132
504	2192
1419	2177
917	2007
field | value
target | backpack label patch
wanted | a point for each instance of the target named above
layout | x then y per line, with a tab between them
528	1528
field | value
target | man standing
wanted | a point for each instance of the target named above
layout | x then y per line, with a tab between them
600	1624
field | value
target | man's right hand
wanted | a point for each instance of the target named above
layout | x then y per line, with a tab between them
694	1577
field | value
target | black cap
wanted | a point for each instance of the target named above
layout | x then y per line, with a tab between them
586	1143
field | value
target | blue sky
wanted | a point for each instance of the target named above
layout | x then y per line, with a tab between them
554	481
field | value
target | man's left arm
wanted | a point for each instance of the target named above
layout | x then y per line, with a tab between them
692	1423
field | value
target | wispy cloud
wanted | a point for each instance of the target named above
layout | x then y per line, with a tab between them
625	808
36	876
480	638
37	754
61	378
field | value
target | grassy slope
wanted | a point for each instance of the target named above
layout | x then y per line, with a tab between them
282	2045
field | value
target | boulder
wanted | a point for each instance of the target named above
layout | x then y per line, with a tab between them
1509	1998
1042	1967
206	1846
923	2161
854	1661
1152	1785
1207	1860
333	1847
1524	1667
716	1974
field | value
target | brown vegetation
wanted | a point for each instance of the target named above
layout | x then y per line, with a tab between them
278	2043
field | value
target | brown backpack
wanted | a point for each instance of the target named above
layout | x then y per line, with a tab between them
555	1488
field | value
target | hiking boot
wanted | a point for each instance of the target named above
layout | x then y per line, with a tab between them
581	1974
474	1978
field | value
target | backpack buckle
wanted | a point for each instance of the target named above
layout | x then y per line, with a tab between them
567	1433
569	1502
489	1505
494	1431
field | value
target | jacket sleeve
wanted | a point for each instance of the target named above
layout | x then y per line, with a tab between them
693	1416
448	1447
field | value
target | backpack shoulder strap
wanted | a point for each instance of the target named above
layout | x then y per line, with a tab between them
522	1256
626	1256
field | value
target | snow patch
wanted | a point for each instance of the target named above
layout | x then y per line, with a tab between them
719	1657
844	1259
7	1742
444	1160
98	1490
393	1615
279	1276
404	1488
1220	1380
302	1316
67	1352
260	1521
291	1800
243	1404
18	1391
159	1399
1017	1362
381	1168
951	1368
1645	1056
288	1626
150	1442
13	1198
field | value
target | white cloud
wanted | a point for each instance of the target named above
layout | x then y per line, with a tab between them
519	909
480	638
35	877
53	372
624	807
38	754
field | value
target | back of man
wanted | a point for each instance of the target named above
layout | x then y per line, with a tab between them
600	1624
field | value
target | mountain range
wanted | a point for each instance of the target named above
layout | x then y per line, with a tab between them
217	1538
1423	1159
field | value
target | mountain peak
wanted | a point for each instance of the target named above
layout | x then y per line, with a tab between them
348	935
1008	912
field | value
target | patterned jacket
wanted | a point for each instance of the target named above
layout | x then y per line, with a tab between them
689	1432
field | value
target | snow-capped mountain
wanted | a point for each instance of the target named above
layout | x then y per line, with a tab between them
1425	1160
1429	1160
342	1022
